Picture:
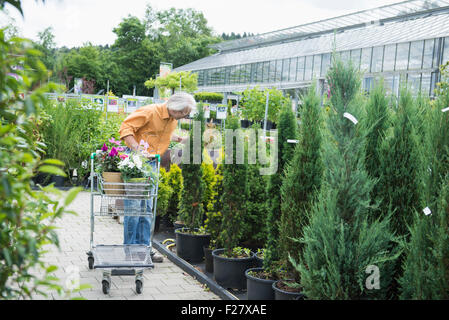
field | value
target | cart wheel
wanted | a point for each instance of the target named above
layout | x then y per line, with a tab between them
91	262
106	286
139	286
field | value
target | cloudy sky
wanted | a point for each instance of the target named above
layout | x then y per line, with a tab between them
79	21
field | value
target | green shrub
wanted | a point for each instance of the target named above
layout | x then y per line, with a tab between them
191	206
27	217
301	181
287	129
233	198
175	181
164	192
211	97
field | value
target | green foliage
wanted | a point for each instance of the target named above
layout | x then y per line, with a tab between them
287	129
164	192
437	138
426	263
69	132
211	97
254	227
237	252
301	181
400	185
426	267
191	206
254	100
209	184
175	182
27	217
189	81
233	198
342	239
376	123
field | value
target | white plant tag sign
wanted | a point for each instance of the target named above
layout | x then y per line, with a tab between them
427	211
350	117
445	109
292	141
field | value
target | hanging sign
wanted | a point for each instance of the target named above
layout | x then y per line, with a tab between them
222	112
113	104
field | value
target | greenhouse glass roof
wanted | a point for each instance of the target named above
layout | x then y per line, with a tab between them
401	22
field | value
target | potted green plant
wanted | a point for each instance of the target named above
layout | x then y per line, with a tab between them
231	261
191	239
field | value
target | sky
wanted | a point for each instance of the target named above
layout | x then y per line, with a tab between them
77	22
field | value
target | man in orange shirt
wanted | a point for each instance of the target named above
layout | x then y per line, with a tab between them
154	125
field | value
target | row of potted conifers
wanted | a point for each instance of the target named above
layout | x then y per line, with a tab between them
230	273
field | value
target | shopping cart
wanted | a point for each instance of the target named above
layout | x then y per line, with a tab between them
109	198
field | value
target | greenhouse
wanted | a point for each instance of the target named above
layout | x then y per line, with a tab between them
403	42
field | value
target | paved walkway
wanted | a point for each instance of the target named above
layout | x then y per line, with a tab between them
165	282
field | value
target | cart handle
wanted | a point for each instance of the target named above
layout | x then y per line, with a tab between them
157	156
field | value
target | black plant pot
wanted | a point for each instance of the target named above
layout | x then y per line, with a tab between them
190	246
209	261
280	294
230	272
258	289
57	180
259	261
157	223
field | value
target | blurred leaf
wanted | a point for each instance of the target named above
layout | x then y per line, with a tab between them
52	170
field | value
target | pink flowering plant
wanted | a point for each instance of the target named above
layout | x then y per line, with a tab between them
110	155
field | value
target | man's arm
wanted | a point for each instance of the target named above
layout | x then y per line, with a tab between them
131	142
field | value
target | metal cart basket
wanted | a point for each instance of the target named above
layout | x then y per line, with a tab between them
111	197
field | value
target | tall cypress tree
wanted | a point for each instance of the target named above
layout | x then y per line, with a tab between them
234	193
287	129
426	266
400	185
376	122
192	196
343	244
301	180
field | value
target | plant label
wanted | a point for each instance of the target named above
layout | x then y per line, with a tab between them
445	109
427	211
350	117
292	141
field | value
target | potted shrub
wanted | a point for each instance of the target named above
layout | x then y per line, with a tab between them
213	220
164	194
301	179
231	261
191	239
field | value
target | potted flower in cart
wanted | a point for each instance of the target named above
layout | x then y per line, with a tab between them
108	158
136	173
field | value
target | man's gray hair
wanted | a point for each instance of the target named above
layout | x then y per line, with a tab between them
181	100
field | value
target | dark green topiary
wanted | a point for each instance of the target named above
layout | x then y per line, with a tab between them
234	191
287	129
191	205
301	181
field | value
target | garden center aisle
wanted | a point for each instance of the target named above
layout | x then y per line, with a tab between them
165	282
